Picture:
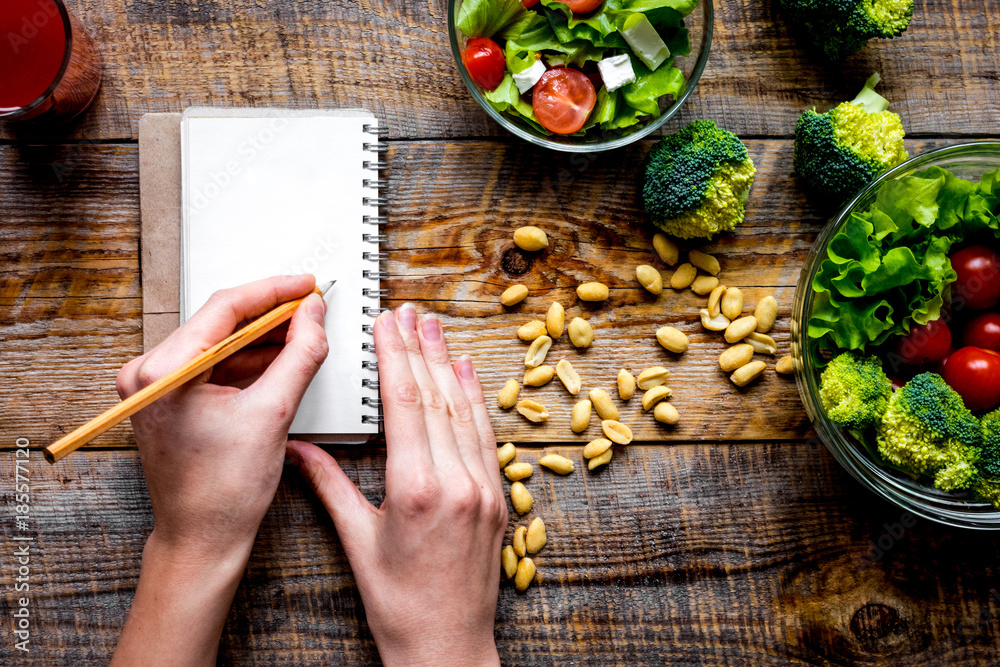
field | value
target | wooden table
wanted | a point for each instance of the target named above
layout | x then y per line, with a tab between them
734	539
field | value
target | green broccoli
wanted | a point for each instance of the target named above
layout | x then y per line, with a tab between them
698	181
927	430
837	28
839	152
987	486
855	391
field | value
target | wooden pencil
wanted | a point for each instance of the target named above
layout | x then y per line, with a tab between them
192	369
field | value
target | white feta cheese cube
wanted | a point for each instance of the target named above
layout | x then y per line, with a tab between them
527	79
616	71
646	43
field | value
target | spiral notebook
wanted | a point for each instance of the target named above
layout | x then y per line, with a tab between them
267	192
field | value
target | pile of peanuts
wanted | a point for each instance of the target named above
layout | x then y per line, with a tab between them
724	313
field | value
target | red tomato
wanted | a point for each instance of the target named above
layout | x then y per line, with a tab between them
975	374
562	99
978	283
582	6
528	4
926	343
484	59
983	331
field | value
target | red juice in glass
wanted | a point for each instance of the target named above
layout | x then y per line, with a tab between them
50	69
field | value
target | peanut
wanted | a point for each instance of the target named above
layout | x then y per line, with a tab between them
537	351
717	323
602	403
596	448
537	377
517	471
555	320
654	396
581	334
732	303
617	432
506	454
520	498
761	343
703	285
531	330
518	545
525	574
531	410
580	417
683	276
766	312
665	249
530	238
736	356
626	385
600	459
509	561
568	376
672	340
740	329
665	413
535	539
556	463
707	263
747	374
507	396
513	295
714	298
592	292
649	278
652	377
785	365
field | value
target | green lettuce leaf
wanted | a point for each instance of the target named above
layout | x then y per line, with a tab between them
643	93
506	99
484	18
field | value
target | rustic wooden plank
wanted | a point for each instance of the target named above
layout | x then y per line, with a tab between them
757	554
394	58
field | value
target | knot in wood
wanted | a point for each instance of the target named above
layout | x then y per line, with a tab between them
516	261
874	621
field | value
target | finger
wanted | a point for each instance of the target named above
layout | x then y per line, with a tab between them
218	318
243	368
469	380
406	442
463	424
281	386
351	512
443	444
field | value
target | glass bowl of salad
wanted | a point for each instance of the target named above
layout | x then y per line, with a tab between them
580	75
896	335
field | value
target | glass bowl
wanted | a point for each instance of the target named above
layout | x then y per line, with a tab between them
970	161
699	24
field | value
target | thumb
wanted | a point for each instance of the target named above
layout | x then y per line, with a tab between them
351	512
285	381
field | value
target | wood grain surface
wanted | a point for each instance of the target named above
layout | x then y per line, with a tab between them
694	554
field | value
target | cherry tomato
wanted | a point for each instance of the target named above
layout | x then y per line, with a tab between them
926	343
983	331
484	59
582	6
978	283
562	99
528	4
975	374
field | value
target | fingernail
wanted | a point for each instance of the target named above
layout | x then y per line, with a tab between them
465	369
408	316
315	308
430	326
292	457
388	320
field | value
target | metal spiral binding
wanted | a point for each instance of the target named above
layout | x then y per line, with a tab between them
376	219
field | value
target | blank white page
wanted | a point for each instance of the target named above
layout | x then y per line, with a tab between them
264	196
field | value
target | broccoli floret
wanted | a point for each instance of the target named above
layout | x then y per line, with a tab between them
698	181
927	430
987	486
835	29
855	391
839	152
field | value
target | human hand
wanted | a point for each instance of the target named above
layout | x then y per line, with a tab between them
427	562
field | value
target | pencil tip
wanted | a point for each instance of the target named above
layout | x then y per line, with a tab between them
326	287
